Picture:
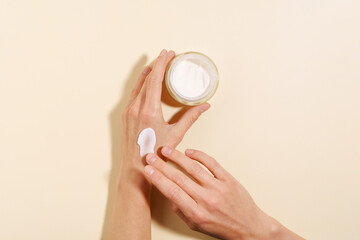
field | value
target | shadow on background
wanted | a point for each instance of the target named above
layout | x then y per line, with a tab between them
115	133
160	208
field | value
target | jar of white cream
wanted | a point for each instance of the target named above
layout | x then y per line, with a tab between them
191	78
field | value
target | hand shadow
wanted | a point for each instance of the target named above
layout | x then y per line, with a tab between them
160	207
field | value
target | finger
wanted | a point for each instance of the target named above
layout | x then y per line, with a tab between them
169	189
189	165
189	117
184	182
139	83
155	78
210	163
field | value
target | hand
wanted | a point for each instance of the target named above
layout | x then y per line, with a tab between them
216	204
144	110
130	218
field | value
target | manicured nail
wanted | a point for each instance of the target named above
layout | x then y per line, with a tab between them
166	150
189	151
149	170
146	70
171	53
150	158
163	52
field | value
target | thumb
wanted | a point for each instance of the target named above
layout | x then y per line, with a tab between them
189	117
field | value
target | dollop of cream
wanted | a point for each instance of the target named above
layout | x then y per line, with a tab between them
190	78
146	141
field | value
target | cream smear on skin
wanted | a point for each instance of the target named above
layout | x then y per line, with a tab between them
146	141
190	78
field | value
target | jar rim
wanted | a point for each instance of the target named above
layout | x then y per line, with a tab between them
177	96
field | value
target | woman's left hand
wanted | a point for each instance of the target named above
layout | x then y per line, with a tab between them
131	211
144	111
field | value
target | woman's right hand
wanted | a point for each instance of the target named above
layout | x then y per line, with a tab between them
216	203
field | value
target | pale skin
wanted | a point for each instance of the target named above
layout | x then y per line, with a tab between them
131	212
213	202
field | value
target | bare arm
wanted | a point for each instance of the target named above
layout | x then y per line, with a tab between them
131	217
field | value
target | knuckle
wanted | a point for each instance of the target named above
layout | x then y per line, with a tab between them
231	182
223	190
132	112
178	179
156	178
196	169
213	164
147	115
199	219
226	189
174	193
212	203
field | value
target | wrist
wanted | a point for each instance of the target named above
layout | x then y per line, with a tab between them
132	174
275	230
263	227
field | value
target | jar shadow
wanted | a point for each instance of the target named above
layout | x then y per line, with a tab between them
167	99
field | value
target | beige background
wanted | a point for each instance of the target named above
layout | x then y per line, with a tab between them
284	121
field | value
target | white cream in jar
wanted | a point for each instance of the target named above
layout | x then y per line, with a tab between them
191	78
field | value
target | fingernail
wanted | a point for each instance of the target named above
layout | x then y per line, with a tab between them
163	52
150	158
171	53
146	70
166	150
189	151
149	170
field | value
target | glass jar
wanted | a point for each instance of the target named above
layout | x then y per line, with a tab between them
191	78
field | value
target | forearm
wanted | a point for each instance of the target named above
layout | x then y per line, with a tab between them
286	234
276	230
131	217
